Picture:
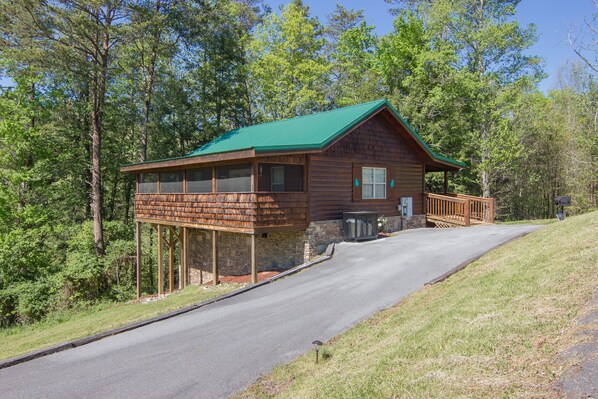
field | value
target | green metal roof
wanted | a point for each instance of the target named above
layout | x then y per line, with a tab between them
309	132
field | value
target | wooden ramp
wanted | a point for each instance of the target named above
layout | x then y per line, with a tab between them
456	210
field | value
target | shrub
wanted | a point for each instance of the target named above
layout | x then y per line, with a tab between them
35	300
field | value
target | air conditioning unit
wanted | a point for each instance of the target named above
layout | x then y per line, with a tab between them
359	226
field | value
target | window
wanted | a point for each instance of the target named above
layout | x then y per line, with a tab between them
199	180
374	183
171	182
280	177
233	178
148	183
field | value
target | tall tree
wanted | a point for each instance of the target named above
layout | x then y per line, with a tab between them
584	40
489	45
76	37
287	67
350	50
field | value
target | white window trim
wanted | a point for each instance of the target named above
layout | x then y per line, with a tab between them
373	184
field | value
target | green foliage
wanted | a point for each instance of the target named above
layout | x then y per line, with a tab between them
25	255
287	68
180	73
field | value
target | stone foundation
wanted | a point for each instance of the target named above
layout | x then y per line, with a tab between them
397	223
274	251
319	235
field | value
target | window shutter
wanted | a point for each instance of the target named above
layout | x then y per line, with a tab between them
356	182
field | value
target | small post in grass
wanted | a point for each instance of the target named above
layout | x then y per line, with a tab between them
317	344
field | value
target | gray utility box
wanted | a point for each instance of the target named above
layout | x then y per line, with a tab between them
406	207
360	225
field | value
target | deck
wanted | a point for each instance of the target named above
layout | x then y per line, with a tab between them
450	210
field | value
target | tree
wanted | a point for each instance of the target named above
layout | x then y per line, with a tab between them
489	48
77	37
350	51
287	68
585	40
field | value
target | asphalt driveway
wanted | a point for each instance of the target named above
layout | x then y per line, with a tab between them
218	350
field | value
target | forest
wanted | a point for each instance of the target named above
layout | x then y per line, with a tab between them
103	83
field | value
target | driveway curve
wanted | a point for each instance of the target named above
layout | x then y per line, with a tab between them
219	349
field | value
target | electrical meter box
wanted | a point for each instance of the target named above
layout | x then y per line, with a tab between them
406	206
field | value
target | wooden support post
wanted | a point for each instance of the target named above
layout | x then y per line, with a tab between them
254	175
253	261
214	257
138	259
160	262
170	261
491	211
445	182
183	273
180	239
467	212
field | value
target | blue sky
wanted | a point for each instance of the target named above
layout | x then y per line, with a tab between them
553	18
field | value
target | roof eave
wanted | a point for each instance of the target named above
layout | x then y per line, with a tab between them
187	160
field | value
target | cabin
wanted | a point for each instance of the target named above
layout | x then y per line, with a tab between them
272	196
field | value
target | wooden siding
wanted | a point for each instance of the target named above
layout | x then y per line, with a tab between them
376	140
281	209
375	143
224	210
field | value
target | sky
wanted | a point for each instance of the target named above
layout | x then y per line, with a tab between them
553	19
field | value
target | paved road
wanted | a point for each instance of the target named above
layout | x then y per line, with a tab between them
217	350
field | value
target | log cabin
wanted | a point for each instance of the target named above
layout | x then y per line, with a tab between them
272	196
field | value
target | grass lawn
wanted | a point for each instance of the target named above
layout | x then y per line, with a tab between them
531	221
70	325
492	330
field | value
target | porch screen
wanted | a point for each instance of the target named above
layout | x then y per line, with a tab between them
233	178
199	180
148	183
171	182
280	178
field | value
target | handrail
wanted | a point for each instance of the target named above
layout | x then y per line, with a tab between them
459	209
482	208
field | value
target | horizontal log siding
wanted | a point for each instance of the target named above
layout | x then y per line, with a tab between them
234	210
374	143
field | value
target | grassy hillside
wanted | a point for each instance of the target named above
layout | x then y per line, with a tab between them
492	330
70	325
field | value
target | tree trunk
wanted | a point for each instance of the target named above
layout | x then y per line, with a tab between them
98	98
148	89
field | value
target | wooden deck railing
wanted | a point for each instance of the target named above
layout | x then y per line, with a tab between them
459	209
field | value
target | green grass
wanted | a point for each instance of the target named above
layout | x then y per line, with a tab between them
492	330
531	221
70	325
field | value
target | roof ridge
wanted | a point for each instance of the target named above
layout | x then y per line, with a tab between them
315	113
380	101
